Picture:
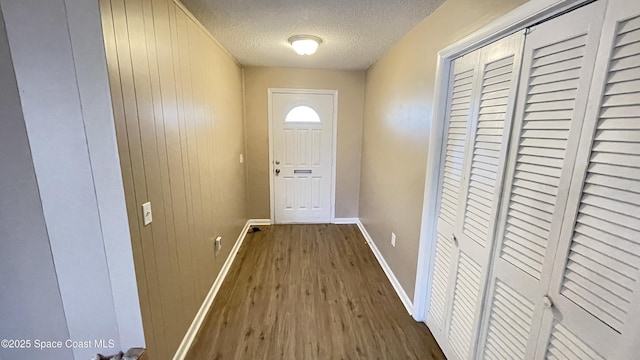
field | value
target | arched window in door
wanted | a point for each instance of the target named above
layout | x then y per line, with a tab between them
302	114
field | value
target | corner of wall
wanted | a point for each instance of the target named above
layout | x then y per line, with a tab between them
244	133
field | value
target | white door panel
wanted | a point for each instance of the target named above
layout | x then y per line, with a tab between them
594	283
558	61
481	104
460	100
496	83
302	135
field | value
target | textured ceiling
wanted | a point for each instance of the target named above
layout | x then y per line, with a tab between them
355	33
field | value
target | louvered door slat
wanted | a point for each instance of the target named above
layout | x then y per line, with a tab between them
614	146
494	98
624	63
566	55
557	67
627	50
558	95
565	84
628	37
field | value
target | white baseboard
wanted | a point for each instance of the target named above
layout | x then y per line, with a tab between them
190	336
406	300
259	222
345	221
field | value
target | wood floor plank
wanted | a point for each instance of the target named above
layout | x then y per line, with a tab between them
309	292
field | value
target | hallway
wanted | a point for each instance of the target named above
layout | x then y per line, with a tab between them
309	291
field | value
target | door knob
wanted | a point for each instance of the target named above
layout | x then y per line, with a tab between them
277	171
546	302
277	162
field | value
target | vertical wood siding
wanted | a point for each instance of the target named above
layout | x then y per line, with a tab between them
177	99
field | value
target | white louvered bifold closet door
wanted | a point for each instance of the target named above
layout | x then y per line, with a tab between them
595	285
466	225
484	167
459	103
463	76
558	61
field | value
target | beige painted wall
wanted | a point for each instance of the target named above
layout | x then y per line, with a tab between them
177	99
350	86
397	121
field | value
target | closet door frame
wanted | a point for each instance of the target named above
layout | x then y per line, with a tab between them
522	17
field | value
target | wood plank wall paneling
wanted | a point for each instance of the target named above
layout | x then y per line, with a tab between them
177	100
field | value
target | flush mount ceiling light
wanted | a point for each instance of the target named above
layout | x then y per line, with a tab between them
305	44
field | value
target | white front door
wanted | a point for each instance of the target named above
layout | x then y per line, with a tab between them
302	158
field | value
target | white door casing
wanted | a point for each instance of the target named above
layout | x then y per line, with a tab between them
302	155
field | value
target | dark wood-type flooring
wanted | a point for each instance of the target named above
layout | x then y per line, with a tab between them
309	292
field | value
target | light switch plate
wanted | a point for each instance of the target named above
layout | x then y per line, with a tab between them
218	244
393	239
146	213
241	158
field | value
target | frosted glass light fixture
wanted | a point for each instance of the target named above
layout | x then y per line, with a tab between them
305	44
